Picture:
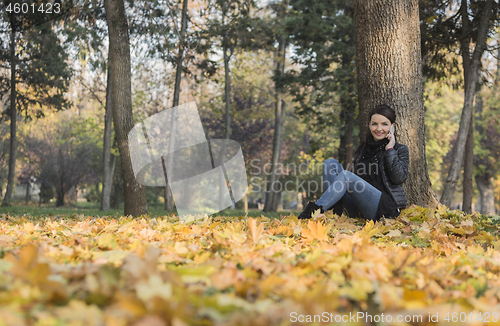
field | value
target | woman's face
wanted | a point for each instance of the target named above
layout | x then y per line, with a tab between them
379	126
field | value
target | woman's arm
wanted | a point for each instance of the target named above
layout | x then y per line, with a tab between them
396	163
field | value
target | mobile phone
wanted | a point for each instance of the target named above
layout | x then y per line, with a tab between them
392	129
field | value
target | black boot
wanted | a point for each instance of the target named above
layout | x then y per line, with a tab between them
311	207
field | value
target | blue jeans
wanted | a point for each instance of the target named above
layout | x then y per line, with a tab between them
359	198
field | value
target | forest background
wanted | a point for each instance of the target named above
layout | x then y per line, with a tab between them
278	77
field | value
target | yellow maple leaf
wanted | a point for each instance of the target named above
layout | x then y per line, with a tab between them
27	266
393	233
315	230
285	230
254	230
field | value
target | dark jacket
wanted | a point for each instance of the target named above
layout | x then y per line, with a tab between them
394	172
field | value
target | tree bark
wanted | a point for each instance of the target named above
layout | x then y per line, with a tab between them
227	77
349	139
468	186
227	97
169	204
13	115
272	194
469	144
117	189
467	112
484	180
389	69
27	196
121	99
342	151
109	160
487	194
345	151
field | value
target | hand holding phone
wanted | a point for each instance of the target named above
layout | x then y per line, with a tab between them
392	139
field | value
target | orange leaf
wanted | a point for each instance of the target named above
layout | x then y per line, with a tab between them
254	230
315	230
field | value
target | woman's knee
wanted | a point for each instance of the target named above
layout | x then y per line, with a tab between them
331	164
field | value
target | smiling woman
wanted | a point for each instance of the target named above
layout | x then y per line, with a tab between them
380	168
380	127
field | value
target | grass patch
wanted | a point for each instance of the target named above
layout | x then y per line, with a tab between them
92	209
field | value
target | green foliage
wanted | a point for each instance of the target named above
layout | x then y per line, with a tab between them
46	192
252	104
93	195
42	70
322	32
65	151
443	107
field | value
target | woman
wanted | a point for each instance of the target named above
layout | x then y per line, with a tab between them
380	166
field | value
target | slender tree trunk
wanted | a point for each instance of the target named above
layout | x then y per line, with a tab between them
349	138
467	112
227	86
487	193
117	190
27	196
306	140
109	160
13	116
60	197
345	151
272	194
227	95
169	202
121	99
156	198
271	203
389	70
484	180
469	144
342	151
468	186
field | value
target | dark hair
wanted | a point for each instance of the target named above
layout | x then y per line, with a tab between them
384	110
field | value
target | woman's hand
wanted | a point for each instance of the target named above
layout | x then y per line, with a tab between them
392	140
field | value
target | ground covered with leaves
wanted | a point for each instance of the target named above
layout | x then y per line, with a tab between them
426	266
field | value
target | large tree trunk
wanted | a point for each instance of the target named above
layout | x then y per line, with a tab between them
470	90
272	194
388	61
109	160
169	204
13	115
469	144
121	99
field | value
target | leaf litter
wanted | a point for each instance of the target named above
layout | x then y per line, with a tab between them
79	270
